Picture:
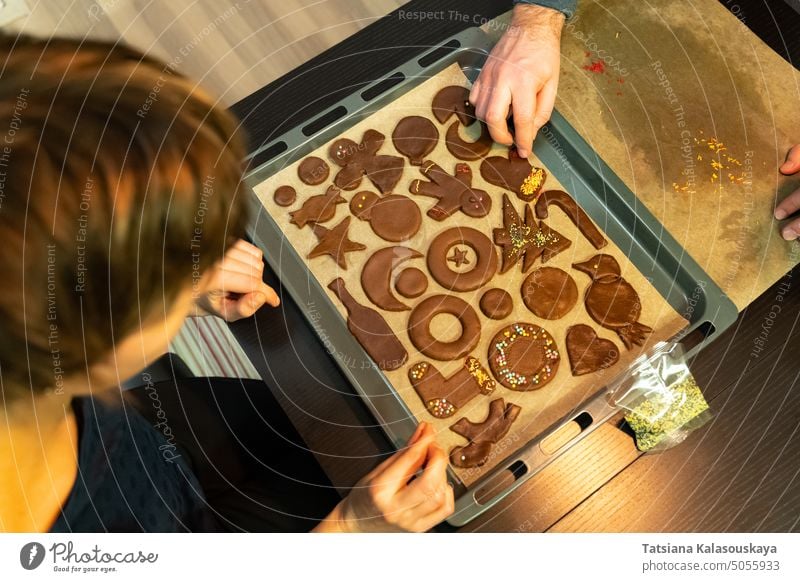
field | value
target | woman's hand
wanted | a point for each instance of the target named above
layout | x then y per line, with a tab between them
394	497
791	203
236	288
521	74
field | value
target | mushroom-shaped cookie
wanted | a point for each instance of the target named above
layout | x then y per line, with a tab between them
613	302
453	193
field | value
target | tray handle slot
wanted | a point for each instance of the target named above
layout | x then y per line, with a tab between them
324	120
500	481
697	337
438	53
382	86
272	151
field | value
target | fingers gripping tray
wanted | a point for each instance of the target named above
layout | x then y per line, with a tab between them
454	283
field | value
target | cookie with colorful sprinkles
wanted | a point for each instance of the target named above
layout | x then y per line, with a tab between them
523	357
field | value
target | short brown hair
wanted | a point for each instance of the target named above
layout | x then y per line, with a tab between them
120	183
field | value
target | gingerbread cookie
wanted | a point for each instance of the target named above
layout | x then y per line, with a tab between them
415	137
484	261
549	293
515	174
357	160
334	242
575	213
285	196
371	330
523	357
453	100
453	193
411	283
392	217
420	334
526	240
319	208
496	304
444	396
313	171
468	150
613	302
376	277
480	434
588	352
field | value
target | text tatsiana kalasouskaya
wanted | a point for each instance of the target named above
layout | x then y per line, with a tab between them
709	549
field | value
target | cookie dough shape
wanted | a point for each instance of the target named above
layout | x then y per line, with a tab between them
415	137
496	303
419	323
393	217
444	396
371	330
526	240
484	264
284	196
319	208
411	283
335	242
453	193
357	160
549	292
523	357
589	353
515	174
376	276
453	100
313	171
613	302
468	150
575	213
482	436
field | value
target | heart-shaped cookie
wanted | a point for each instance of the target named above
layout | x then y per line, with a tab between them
514	174
587	352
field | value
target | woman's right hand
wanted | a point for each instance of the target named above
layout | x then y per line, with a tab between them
394	497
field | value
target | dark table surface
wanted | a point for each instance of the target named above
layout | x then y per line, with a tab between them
740	472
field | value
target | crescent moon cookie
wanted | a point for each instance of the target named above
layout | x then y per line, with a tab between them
284	196
453	100
549	293
444	396
411	283
515	174
415	137
393	217
589	353
523	357
313	171
496	303
357	160
482	436
452	193
575	213
484	263
419	323
468	150
376	277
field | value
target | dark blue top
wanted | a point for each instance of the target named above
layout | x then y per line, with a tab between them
568	7
125	482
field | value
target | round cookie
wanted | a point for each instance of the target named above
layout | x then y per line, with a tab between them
313	171
496	304
549	293
523	357
285	196
393	217
419	323
411	283
415	137
484	264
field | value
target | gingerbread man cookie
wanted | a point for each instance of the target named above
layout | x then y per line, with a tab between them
453	192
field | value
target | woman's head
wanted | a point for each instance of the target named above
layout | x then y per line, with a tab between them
119	189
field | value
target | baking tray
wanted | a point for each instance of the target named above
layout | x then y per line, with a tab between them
605	198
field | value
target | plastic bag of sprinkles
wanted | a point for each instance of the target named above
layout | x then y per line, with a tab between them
662	402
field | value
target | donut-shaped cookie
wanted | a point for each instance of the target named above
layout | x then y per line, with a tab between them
523	357
484	262
419	327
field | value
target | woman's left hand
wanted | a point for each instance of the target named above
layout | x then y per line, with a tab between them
236	288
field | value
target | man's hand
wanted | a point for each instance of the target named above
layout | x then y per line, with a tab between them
407	492
236	288
521	73
791	203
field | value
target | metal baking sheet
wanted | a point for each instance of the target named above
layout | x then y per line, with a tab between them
569	159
